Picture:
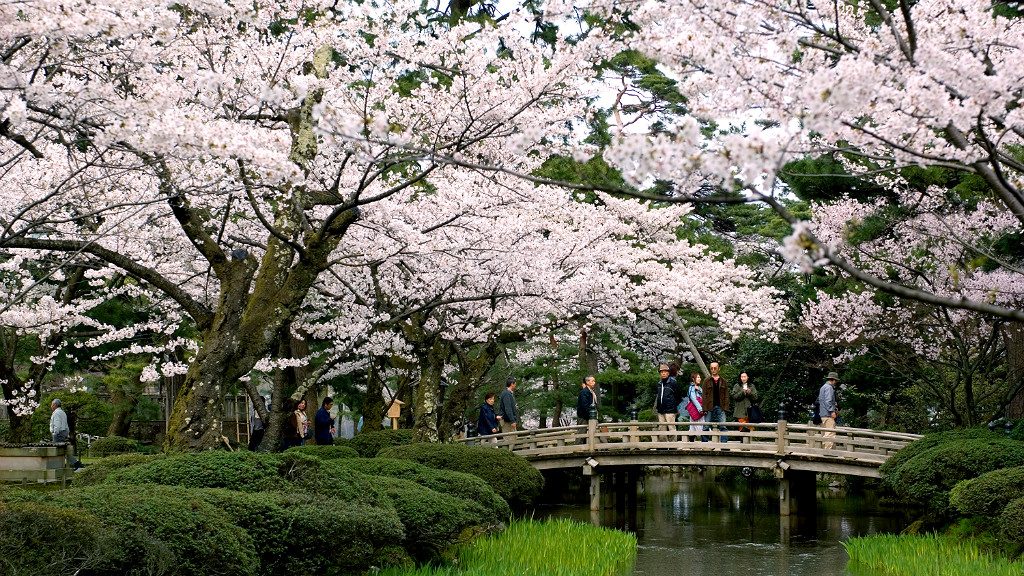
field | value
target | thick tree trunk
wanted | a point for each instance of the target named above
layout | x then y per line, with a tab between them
374	407
1014	334
428	392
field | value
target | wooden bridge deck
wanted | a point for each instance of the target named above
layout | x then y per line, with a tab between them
774	445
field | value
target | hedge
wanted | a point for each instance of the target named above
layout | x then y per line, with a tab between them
41	540
457	484
930	441
331	479
369	444
1011	526
988	494
165	530
433	521
97	472
324	452
926	478
113	445
511	476
242	471
307	534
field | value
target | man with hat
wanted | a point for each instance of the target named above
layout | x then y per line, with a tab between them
828	410
666	398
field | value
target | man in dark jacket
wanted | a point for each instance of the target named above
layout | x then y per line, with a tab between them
508	410
488	421
323	424
716	397
586	400
666	398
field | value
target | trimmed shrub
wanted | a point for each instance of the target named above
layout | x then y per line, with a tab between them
307	534
242	471
41	540
457	484
97	472
432	521
369	444
113	445
988	494
926	478
328	478
509	475
1011	526
930	441
164	529
324	452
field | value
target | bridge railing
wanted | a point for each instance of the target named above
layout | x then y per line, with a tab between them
780	438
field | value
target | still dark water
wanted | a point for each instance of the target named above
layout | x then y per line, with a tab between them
688	523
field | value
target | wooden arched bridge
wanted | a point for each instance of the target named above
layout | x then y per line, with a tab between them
794	451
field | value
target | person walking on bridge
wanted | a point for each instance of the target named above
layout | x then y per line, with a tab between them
508	410
666	399
488	421
828	409
716	395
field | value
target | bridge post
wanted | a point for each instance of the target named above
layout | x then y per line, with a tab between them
595	491
780	439
797	492
591	431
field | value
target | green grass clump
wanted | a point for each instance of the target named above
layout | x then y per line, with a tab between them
534	548
913	555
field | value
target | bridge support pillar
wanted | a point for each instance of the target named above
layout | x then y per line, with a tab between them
595	492
797	492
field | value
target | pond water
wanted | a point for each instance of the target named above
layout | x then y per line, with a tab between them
687	523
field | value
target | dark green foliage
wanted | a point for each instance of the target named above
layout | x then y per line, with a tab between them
329	478
368	444
113	445
930	441
325	452
988	494
1011	526
41	540
164	529
97	472
457	484
307	534
926	478
432	521
511	476
90	414
242	471
822	179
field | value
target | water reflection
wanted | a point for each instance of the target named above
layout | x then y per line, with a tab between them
687	523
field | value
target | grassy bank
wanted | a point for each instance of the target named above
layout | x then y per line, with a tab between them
534	548
928	555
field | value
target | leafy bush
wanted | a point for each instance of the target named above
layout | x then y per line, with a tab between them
988	494
511	476
930	441
369	444
325	452
164	529
113	445
1011	526
926	478
432	521
457	484
307	534
41	540
97	472
242	471
330	479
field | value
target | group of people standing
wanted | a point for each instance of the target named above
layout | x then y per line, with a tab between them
296	426
705	400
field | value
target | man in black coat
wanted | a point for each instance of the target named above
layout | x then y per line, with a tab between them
666	398
586	400
323	424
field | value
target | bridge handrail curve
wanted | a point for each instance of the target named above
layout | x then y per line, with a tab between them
767	439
